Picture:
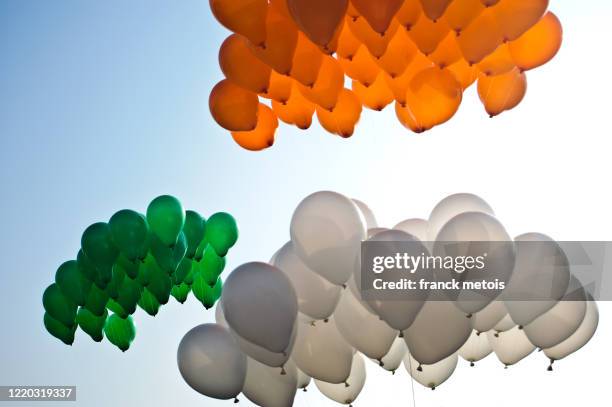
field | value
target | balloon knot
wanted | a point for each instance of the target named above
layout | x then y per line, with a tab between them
505	366
380	363
420	368
283	372
401	334
346	384
478	333
496	334
550	368
469	316
472	364
326	320
344	286
457	32
236	400
408	27
520	327
393	372
312	323
433	388
304	390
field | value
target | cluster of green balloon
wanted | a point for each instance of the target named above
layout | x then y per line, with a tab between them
138	260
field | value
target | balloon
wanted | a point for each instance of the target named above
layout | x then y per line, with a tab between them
297	110
96	300
210	266
181	292
72	282
432	375
409	14
580	337
318	19
511	346
399	85
415	227
452	206
514	17
327	229
340	392
361	67
246	17
476	348
352	320
375	42
241	66
427	34
527	297
221	232
128	295
447	52
317	297
307	61
465	74
487	318
194	230
232	107
129	232
262	136
378	14
266	386
460	13
504	325
166	218
98	246
434	9
59	330
168	258
561	321
329	84
393	359
281	40
348	44
92	325
400	52
502	92
433	96
205	293
481	37
211	362
268	358
58	306
344	116
498	62
438	331
539	44
160	284
120	331
321	352
260	304
149	303
367	213
376	96
303	380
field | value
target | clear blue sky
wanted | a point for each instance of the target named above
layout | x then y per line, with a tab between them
103	106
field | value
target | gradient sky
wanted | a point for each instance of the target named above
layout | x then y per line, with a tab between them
103	106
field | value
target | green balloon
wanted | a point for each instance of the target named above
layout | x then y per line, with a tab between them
194	229
129	231
96	301
97	244
130	268
166	218
148	303
100	276
221	232
116	308
59	306
160	286
195	270
181	292
59	330
72	282
200	250
120	331
168	258
128	295
144	270
206	294
211	266
112	289
91	324
182	271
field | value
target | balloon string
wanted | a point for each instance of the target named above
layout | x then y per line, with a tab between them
411	379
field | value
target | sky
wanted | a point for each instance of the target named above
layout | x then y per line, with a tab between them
104	106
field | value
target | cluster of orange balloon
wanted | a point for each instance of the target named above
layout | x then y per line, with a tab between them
420	54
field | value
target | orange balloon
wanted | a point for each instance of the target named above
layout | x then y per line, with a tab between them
517	16
282	7
318	19
447	52
280	43
502	92
538	45
279	88
460	13
399	85
306	61
399	54
348	44
362	67
378	13
409	14
376	43
245	17
263	135
433	97
465	74
343	118
376	96
296	111
427	34
481	37
328	86
232	107
240	65
434	9
497	63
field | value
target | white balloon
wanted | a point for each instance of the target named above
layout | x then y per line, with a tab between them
352	320
316	296
303	380
367	213
327	229
321	352
260	305
487	318
342	393
476	348
511	346
432	375
393	359
211	362
416	227
504	325
267	387
452	206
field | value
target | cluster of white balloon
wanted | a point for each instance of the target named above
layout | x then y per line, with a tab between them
302	316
